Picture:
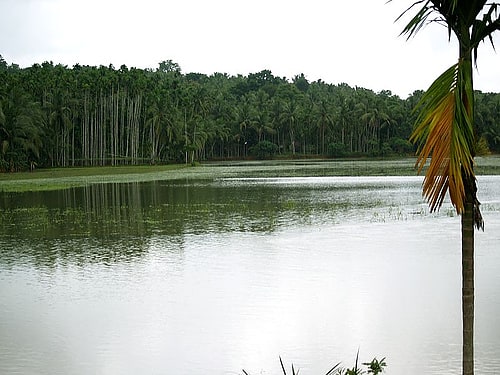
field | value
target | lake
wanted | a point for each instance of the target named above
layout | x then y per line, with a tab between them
213	275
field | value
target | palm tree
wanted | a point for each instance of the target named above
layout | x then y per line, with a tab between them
375	118
21	123
446	132
325	119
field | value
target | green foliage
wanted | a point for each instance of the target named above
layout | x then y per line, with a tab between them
337	150
401	146
56	116
374	367
264	150
386	149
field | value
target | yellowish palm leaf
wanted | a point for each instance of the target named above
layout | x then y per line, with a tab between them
444	133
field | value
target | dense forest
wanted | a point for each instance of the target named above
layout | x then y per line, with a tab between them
56	116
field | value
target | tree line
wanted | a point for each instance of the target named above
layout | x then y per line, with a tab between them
56	116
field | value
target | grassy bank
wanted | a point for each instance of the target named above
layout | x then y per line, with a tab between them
61	178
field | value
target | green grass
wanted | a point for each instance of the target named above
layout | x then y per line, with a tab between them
63	178
87	171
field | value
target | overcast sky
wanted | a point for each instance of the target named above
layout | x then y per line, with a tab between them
355	42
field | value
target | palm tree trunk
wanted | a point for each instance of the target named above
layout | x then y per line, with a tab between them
468	289
468	218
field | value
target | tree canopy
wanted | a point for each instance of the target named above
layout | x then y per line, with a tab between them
52	115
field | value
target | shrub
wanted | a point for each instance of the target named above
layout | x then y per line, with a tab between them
264	150
386	149
337	150
401	146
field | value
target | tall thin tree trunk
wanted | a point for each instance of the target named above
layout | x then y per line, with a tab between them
468	289
73	141
468	219
122	147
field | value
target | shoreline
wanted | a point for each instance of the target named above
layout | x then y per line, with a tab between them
63	178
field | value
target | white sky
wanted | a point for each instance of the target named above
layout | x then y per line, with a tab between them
356	42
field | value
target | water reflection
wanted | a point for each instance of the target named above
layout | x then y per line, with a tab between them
196	275
113	222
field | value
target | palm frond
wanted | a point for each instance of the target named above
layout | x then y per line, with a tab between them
2	115
336	367
282	366
482	29
445	135
419	19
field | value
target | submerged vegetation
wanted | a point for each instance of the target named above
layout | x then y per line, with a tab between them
63	178
53	116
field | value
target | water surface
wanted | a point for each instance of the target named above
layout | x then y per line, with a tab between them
196	276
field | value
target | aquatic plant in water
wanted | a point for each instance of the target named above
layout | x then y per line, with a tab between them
374	367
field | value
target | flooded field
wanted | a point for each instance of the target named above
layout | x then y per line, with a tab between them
219	272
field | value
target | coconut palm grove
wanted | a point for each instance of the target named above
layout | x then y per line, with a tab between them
53	115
